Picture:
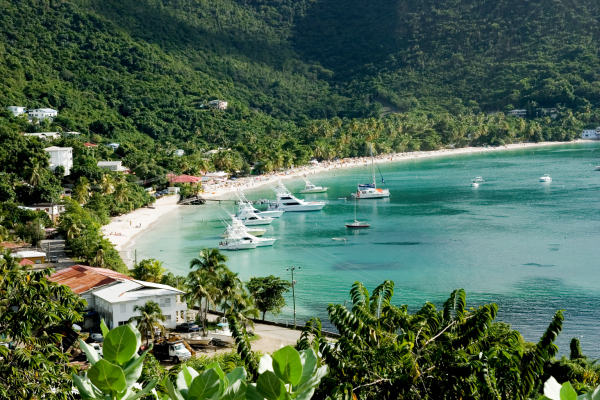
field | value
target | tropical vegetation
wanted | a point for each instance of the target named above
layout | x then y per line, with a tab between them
268	293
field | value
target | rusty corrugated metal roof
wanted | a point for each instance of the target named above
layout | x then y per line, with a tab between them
81	278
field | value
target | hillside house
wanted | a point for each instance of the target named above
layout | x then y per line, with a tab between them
113	146
41	114
52	209
116	166
218	104
44	135
62	156
591	134
179	152
36	257
517	113
112	296
16	110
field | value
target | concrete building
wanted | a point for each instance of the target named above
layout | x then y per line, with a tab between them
16	110
218	104
591	134
179	152
44	135
37	257
113	166
114	146
62	156
116	303
52	209
517	113
41	114
215	176
112	296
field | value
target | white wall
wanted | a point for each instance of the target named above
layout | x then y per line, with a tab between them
119	312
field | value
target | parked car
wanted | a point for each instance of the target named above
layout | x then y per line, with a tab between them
54	259
188	327
95	338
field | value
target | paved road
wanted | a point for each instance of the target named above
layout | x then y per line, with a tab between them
56	247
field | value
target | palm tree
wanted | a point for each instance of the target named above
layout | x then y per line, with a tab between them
108	184
201	286
243	309
230	288
121	192
99	260
82	190
34	172
150	318
210	260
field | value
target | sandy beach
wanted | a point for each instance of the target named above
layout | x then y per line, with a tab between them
123	229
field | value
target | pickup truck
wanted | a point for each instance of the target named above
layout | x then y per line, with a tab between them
173	351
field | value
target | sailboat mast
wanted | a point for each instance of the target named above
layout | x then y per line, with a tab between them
372	163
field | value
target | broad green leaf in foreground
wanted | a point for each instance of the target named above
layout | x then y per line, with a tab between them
120	344
287	365
107	377
270	386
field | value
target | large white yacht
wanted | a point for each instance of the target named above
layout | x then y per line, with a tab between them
309	187
286	201
244	202
545	178
370	190
249	217
237	230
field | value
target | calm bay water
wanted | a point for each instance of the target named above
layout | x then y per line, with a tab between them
528	246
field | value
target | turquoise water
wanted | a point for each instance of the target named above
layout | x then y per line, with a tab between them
530	247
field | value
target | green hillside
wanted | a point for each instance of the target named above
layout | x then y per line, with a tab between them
487	54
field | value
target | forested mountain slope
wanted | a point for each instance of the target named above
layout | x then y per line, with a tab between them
450	52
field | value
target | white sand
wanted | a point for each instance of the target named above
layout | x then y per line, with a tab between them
124	228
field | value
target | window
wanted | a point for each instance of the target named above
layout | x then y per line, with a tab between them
165	302
168	318
122	323
123	308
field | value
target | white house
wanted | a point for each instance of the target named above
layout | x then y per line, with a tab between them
113	166
52	209
62	156
16	110
42	113
518	113
591	133
218	104
37	257
114	146
44	135
116	303
179	152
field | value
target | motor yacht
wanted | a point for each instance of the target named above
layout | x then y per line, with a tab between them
358	225
286	201
546	178
478	179
244	202
239	231
236	223
250	218
311	188
238	244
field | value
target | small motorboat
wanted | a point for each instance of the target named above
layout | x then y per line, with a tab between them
311	188
339	239
474	184
198	340
478	179
358	225
545	178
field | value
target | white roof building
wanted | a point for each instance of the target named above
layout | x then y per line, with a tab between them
113	145
44	135
518	113
216	176
16	110
42	114
116	303
591	133
62	156
113	166
218	104
179	152
52	209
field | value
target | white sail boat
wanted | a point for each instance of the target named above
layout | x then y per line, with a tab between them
370	190
357	224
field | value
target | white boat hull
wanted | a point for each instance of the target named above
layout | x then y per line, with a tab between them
372	194
255	222
224	338
315	190
272	214
303	207
237	246
253	231
265	242
199	341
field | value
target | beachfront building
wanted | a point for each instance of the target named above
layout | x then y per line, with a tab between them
116	166
52	209
112	296
116	303
591	134
517	113
62	156
16	110
215	176
41	114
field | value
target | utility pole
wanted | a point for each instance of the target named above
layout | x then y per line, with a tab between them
293	291
135	256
